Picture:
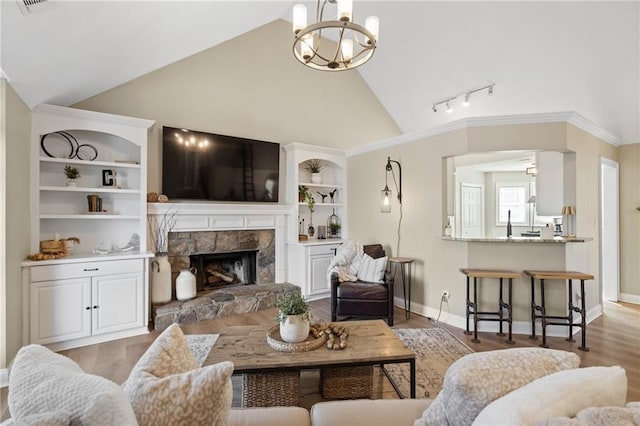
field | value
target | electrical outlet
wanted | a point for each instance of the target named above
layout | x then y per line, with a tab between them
445	295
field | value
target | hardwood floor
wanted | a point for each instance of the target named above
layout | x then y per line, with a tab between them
613	339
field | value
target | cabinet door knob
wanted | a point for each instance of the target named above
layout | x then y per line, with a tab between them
91	269
95	306
88	308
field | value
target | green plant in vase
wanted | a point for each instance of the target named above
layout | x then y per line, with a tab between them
293	316
72	174
334	228
311	202
303	193
314	166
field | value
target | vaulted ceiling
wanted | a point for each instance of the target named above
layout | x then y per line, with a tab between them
542	56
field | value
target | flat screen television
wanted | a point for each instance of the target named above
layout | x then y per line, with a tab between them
204	166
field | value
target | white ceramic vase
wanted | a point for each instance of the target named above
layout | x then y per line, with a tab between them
316	178
186	285
71	182
294	329
161	279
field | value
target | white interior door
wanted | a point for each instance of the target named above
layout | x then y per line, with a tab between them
609	230
471	210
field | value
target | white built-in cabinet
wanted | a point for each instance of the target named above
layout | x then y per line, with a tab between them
308	260
83	300
99	291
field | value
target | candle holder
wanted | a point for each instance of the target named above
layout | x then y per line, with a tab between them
568	217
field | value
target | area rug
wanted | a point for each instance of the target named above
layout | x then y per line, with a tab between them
201	344
436	349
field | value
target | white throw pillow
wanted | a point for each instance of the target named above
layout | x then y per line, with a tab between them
45	384
166	386
475	380
372	270
564	393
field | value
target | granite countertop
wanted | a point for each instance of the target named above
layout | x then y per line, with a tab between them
556	240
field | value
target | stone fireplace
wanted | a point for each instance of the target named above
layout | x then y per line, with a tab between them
226	233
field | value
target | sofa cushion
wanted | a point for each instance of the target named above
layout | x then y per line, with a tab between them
166	386
477	379
361	412
564	393
372	270
45	385
599	416
268	416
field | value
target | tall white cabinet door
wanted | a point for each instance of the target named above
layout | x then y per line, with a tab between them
319	264
117	302
60	310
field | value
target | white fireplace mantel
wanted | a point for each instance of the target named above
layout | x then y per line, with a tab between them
207	216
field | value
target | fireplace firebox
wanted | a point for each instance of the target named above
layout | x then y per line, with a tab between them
215	270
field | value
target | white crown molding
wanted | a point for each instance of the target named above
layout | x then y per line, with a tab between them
470	122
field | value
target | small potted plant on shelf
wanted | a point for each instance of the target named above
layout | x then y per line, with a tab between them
303	193
314	166
293	316
72	174
334	229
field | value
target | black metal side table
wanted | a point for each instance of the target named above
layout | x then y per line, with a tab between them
404	263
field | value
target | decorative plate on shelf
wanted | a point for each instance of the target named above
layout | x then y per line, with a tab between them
275	341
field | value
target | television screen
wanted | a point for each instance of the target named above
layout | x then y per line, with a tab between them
203	166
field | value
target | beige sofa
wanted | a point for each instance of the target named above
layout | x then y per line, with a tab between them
168	387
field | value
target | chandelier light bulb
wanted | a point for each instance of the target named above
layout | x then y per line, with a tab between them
299	17
372	24
345	10
306	47
347	50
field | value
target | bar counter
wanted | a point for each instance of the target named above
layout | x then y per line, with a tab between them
554	240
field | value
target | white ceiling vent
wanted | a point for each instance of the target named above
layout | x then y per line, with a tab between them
32	6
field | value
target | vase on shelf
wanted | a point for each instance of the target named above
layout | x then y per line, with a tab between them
333	225
161	279
71	182
186	284
316	178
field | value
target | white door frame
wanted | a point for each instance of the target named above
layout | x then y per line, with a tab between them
609	205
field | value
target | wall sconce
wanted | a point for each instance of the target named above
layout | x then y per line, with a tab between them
385	206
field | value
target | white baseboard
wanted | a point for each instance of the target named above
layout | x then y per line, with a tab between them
4	378
630	298
518	327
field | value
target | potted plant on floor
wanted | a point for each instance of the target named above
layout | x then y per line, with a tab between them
293	316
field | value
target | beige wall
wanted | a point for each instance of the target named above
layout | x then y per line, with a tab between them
18	131
424	208
253	87
629	156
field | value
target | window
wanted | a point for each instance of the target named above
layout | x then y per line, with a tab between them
512	196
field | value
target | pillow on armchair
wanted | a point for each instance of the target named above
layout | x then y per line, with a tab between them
372	270
167	386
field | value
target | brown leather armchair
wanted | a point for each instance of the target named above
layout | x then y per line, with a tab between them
363	300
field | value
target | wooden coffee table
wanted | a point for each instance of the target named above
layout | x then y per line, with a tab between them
369	343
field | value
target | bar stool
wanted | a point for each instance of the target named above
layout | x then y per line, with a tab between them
472	307
569	276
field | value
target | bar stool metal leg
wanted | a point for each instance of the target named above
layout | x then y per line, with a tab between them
475	310
544	316
571	309
468	311
533	311
500	313
584	318
510	314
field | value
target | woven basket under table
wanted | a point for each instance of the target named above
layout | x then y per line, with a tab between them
270	389
346	382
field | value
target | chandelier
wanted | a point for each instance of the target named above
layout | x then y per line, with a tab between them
314	45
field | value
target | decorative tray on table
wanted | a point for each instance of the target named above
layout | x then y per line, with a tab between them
275	341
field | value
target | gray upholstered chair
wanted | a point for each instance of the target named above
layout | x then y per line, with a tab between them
363	300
